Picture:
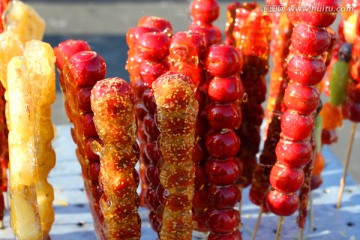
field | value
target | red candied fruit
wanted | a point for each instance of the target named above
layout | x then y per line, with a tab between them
187	47
87	68
223	221
199	152
256	93
223	60
200	176
140	111
133	35
223	197
152	175
256	195
83	98
286	179
222	144
341	31
152	152
223	172
328	136
296	126
301	98
150	127
293	16
88	125
149	101
160	24
282	204
353	91
323	15
204	12
151	199
93	171
316	181
67	49
225	90
153	46
293	154
200	199
224	116
310	40
351	110
212	33
150	71
154	221
306	70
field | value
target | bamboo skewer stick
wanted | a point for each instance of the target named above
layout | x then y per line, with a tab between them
301	234
279	228
257	225
347	161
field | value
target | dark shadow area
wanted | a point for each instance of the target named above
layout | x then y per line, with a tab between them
112	48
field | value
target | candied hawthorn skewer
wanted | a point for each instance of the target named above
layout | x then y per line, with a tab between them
150	51
312	170
187	51
252	38
112	102
79	73
203	14
223	168
176	115
149	24
351	106
260	185
30	93
309	41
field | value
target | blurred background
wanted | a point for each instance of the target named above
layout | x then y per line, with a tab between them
104	23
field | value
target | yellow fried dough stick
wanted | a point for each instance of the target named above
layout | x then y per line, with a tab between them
10	46
30	93
23	20
40	62
24	212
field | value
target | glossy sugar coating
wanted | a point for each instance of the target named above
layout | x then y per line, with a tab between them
23	20
149	44
112	102
295	150
223	115
251	33
351	107
79	70
203	14
175	99
31	91
281	33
